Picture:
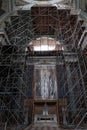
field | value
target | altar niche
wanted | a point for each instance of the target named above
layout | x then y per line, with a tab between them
45	111
45	82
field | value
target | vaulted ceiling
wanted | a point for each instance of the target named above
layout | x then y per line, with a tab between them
49	21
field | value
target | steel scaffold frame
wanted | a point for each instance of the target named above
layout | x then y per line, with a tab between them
20	34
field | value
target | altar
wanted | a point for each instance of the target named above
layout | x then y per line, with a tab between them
45	118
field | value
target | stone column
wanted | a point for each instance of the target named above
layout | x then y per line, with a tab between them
70	89
74	3
78	4
64	116
9	5
26	116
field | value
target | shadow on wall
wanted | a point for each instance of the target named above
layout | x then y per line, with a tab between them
2	11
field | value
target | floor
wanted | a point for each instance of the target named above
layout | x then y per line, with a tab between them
47	126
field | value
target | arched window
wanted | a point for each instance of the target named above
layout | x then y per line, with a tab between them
45	44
